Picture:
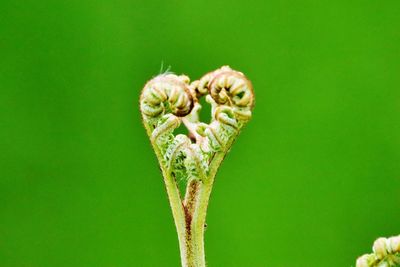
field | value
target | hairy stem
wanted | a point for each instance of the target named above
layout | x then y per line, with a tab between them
200	212
178	213
190	216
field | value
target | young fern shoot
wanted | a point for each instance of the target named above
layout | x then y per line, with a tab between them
386	253
166	102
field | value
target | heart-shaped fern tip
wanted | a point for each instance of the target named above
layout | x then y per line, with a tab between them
167	101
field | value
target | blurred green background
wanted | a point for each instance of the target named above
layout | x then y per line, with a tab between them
312	180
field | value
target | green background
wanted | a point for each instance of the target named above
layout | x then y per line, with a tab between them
312	180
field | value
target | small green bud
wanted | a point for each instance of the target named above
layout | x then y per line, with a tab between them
394	244
363	261
385	254
380	247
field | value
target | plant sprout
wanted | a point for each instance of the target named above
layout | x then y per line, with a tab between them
166	102
386	253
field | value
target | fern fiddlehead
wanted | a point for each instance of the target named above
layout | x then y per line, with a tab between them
166	102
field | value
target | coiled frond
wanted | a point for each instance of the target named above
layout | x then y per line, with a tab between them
162	135
178	145
195	163
232	88
166	93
